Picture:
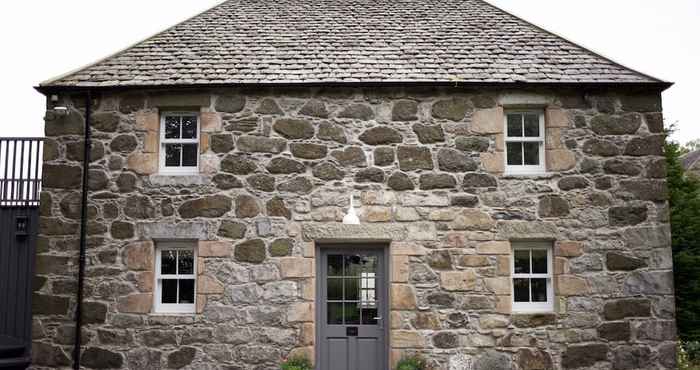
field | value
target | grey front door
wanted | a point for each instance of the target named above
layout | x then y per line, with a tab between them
352	301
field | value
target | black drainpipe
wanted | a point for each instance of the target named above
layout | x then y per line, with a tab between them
83	232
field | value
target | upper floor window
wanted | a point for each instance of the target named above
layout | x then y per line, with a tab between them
175	277
524	141
532	277
179	143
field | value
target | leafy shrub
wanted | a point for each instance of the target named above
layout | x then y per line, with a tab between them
689	356
296	363
411	363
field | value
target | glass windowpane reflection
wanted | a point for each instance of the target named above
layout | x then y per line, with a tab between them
169	291
531	154
539	261
186	294
515	125
532	125
521	290
539	290
514	152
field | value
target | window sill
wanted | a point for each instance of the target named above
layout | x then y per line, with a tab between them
525	175
178	179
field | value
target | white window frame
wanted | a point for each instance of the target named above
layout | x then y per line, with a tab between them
163	141
533	307
524	169
158	306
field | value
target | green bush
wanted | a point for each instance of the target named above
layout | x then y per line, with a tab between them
296	363
684	201
411	363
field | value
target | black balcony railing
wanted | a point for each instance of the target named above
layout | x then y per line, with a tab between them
20	171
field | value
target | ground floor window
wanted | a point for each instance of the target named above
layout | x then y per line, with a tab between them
175	277
532	277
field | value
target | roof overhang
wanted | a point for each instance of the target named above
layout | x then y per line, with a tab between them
467	85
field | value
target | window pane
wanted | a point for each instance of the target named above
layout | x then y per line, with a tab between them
532	154
515	125
368	316
167	262
353	265
539	290
539	261
532	125
189	155
172	155
172	127
522	261
335	265
352	313
514	153
186	291
352	289
189	127
335	289
335	313
185	262
521	290
169	291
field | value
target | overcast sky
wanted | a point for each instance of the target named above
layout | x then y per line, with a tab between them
45	38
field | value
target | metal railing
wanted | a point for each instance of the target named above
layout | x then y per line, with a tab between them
20	171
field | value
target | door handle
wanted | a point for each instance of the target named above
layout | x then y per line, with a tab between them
377	318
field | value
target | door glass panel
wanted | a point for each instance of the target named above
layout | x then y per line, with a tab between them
514	152
522	261
335	289
352	289
539	261
369	314
335	265
521	290
532	125
352	313
335	313
353	265
539	290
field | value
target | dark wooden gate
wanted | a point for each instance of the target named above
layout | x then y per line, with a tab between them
20	185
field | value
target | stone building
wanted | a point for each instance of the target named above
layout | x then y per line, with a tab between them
691	163
509	185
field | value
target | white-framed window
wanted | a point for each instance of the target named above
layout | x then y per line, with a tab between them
524	142
531	270
179	143
176	277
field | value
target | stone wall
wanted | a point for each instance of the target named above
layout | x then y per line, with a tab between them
277	166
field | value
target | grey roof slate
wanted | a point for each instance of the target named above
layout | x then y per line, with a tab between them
331	41
691	161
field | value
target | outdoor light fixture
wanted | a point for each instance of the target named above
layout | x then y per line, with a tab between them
351	217
61	111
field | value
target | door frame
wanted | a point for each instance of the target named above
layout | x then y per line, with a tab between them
386	309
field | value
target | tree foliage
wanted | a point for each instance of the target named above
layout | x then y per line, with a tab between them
684	199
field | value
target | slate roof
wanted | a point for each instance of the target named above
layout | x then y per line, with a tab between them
337	41
691	161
